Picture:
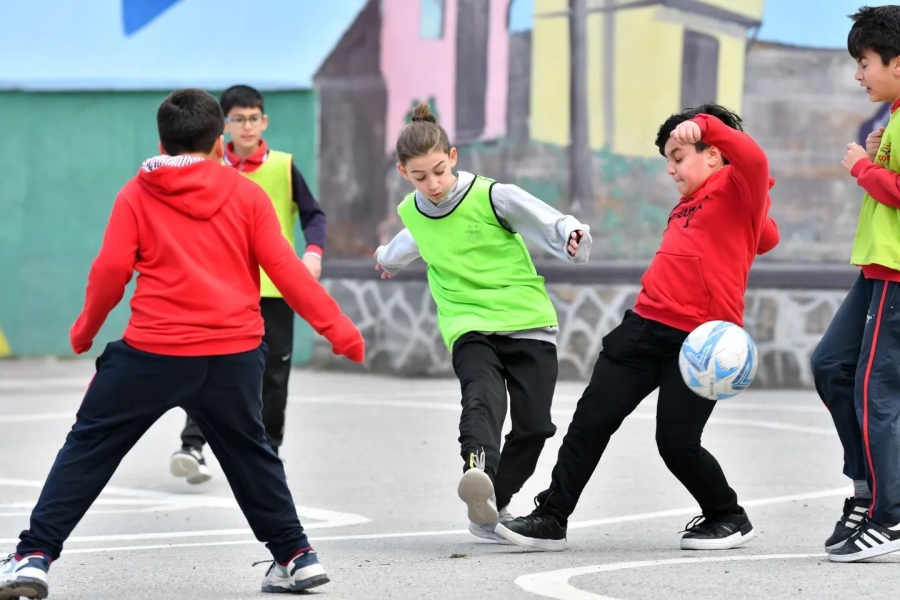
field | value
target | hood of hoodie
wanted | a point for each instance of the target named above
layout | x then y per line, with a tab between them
194	186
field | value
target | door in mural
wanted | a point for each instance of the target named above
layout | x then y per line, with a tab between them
699	69
472	33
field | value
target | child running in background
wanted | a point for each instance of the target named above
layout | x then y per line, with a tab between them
197	233
493	310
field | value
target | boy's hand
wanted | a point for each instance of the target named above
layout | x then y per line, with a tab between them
313	262
855	153
346	340
873	142
572	248
384	274
686	133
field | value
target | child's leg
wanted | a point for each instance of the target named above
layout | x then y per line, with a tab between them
279	338
479	371
191	436
131	390
531	370
228	410
878	402
878	408
834	364
681	416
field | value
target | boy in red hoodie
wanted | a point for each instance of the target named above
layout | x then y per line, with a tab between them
197	233
699	274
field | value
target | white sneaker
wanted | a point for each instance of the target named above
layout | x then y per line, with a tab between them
486	532
477	490
189	463
302	573
24	576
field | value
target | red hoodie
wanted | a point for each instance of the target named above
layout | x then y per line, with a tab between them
700	271
197	232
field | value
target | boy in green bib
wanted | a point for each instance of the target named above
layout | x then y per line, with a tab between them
855	364
493	310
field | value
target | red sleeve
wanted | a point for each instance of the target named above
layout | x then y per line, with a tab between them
110	273
300	289
882	184
749	164
769	237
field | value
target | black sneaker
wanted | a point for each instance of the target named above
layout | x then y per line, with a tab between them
723	533
867	541
538	531
855	511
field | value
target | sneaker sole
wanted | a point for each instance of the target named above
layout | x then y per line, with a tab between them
530	543
189	468
23	588
867	553
486	535
732	541
475	489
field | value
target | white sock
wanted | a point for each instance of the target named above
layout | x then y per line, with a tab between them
861	489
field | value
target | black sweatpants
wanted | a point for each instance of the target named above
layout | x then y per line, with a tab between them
279	337
130	391
487	366
637	357
857	375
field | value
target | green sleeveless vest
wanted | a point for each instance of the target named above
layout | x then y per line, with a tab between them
481	276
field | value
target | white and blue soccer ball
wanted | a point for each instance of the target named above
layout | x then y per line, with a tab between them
718	360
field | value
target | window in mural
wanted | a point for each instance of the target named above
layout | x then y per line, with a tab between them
431	19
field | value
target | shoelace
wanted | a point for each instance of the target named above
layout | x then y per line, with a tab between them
3	561
692	523
479	460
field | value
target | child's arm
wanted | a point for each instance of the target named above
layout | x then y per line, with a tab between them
397	254
749	164
882	184
301	290
769	237
535	220
312	220
111	271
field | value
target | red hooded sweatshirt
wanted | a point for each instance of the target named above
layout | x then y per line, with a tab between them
700	271
197	232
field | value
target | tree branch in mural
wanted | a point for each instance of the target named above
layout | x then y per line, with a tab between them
432	106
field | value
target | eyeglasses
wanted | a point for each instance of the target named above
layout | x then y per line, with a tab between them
240	120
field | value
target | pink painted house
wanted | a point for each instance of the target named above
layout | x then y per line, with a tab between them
453	54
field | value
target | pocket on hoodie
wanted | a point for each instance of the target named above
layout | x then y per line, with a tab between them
674	283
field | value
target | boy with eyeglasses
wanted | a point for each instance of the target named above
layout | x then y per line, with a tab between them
276	173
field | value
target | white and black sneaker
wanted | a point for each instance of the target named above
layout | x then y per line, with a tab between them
868	541
477	490
541	530
722	533
190	464
488	532
855	512
24	576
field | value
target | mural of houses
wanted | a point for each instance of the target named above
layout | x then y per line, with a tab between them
645	60
453	54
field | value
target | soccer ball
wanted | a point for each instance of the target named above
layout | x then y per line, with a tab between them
718	360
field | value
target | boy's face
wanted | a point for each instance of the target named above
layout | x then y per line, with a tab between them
882	82
246	126
431	174
688	168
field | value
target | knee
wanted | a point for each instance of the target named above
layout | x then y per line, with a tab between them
675	445
824	365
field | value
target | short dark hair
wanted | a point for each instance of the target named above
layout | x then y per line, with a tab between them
876	29
421	136
728	117
189	120
242	96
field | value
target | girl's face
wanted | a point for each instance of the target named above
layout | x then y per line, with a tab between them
432	173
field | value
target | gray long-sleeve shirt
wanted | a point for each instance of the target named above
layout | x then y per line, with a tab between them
517	211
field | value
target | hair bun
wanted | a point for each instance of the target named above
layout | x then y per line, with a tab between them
423	113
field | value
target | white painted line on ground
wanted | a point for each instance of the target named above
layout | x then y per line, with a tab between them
555	584
394	535
322	518
32	417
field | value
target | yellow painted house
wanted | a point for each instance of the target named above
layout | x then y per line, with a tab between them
646	59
